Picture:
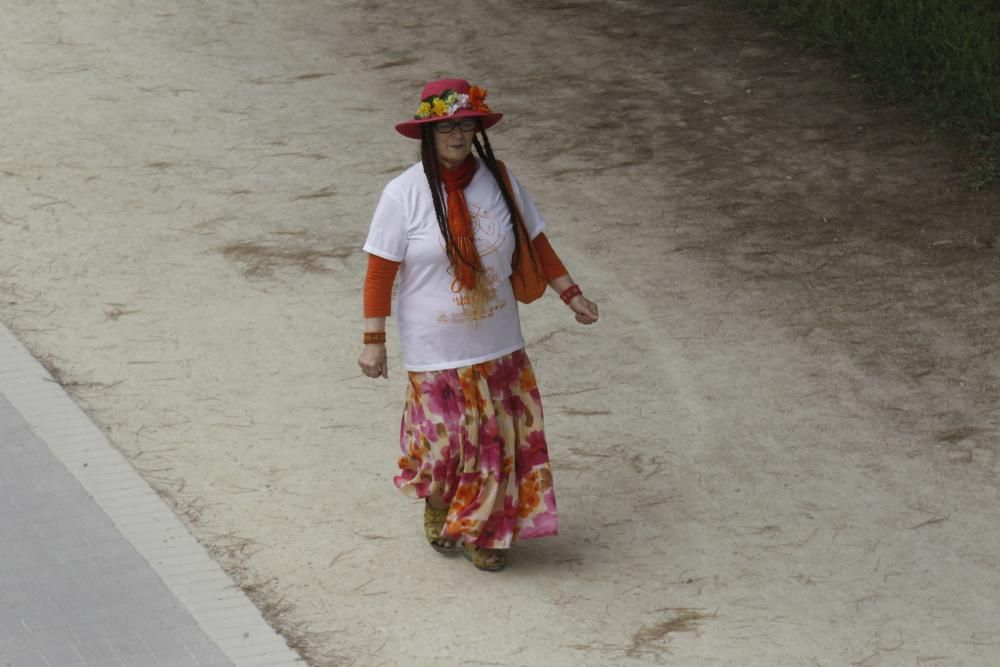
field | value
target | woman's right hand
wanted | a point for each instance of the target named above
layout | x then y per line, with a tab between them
373	360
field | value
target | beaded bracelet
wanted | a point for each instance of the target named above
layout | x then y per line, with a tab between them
569	293
374	337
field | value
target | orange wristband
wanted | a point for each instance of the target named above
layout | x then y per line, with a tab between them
374	337
567	294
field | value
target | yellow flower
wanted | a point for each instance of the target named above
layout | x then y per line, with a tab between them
440	107
424	110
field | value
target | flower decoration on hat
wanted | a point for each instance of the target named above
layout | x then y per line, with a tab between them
446	99
449	102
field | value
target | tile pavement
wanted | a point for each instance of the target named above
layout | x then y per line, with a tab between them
95	570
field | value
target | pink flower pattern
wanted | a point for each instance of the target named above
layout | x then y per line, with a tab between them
493	465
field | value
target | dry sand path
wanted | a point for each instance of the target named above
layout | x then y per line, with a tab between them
779	446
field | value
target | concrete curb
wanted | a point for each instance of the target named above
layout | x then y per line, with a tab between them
219	607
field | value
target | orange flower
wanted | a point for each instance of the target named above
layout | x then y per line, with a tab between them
464	496
529	495
477	99
528	382
470	388
460	527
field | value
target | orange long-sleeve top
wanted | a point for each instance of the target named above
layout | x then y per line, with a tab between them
382	273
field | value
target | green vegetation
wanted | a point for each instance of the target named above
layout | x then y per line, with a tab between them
940	56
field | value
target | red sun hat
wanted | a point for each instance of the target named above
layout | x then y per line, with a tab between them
447	99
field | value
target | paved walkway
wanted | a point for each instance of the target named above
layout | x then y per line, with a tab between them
95	569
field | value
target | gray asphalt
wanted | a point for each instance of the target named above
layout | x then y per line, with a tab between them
95	570
74	591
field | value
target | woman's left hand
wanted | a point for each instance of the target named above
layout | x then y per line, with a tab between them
585	309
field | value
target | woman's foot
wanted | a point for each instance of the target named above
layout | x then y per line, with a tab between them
434	518
489	560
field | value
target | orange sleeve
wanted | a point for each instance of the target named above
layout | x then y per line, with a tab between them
551	266
378	286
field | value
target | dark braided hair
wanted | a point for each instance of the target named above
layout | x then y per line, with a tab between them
485	152
432	170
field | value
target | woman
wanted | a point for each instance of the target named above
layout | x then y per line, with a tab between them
472	437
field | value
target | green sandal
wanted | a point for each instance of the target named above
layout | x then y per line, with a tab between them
433	523
488	560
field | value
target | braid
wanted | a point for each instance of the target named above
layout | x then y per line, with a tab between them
428	155
485	152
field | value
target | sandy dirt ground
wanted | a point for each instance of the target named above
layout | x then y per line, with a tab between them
778	447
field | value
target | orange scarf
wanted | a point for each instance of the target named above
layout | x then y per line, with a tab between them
463	243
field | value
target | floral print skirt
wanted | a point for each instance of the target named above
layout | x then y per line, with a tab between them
475	434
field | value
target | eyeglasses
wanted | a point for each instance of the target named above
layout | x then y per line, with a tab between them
446	126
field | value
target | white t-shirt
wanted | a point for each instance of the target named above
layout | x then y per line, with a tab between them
435	331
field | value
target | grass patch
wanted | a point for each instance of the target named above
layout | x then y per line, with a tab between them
940	57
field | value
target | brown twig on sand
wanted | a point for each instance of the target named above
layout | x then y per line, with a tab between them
262	259
684	619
